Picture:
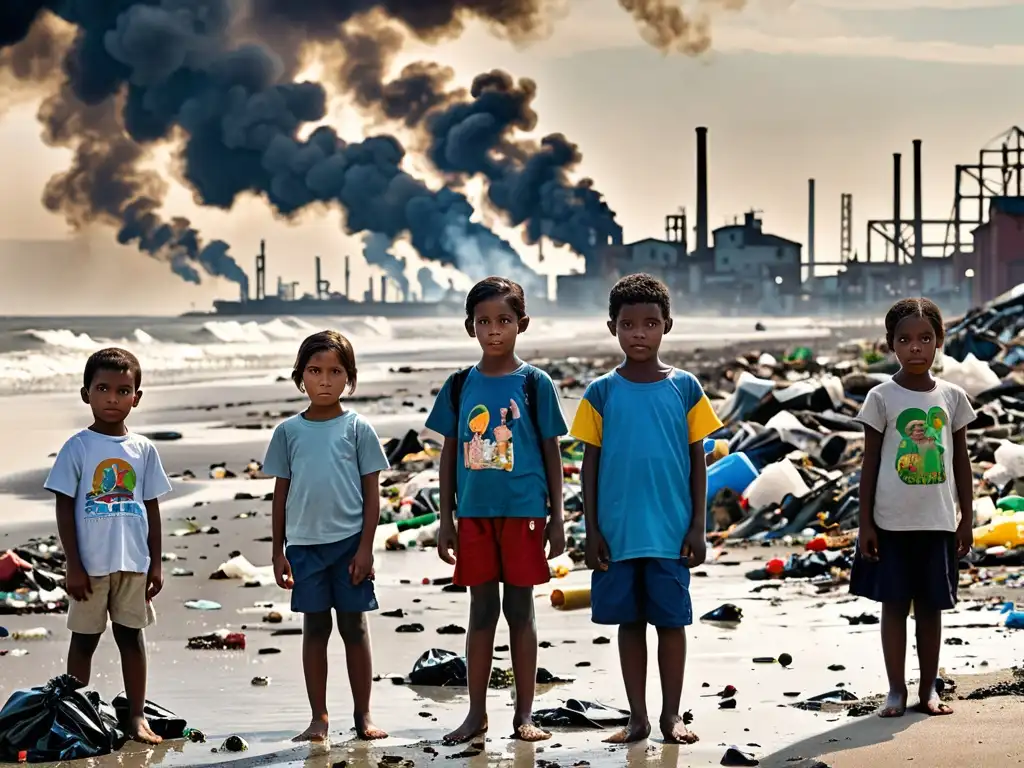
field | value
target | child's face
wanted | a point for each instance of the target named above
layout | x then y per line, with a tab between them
639	328
112	395
914	344
496	326
324	378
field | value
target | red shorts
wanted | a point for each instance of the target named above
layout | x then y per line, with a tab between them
509	550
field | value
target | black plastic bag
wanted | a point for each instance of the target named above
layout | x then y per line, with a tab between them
576	713
55	722
439	667
164	723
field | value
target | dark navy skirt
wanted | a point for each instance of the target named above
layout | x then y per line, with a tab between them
918	566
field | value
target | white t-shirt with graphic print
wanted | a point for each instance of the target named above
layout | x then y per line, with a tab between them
110	479
916	490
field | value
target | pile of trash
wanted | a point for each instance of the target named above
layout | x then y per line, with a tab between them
62	720
32	578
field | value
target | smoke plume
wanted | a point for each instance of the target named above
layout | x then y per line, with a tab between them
376	251
667	27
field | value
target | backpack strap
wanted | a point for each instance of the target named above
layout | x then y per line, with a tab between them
455	386
531	389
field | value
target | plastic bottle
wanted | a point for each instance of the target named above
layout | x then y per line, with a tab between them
38	633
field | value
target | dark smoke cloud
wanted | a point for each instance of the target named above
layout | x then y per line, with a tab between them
530	185
177	68
666	26
17	18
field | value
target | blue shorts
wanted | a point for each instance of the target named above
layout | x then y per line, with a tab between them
652	590
322	580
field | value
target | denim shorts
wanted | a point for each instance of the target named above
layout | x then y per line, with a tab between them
322	580
653	590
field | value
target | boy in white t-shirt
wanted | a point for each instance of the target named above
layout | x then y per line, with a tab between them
107	482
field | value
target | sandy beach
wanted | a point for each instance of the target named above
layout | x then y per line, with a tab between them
230	422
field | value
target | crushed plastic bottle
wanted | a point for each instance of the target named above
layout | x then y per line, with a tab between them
194	735
37	633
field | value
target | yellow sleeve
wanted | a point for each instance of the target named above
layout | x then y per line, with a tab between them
702	420
587	424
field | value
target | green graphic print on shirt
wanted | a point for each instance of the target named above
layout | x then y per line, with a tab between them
920	459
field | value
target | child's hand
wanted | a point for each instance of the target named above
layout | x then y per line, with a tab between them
447	543
361	567
964	539
283	572
77	584
154	580
695	549
597	552
554	534
867	539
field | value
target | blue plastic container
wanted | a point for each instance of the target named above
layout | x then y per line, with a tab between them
734	472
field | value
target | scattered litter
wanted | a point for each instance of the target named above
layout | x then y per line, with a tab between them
727	615
222	640
261	682
734	756
234	744
202	605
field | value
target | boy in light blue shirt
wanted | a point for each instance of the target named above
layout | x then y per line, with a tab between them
644	498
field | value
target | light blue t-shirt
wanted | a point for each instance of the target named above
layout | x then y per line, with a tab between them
110	479
500	470
325	461
644	432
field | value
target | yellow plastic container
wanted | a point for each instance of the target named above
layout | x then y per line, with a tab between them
1003	531
570	599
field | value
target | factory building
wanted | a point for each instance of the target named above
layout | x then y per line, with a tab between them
999	248
744	267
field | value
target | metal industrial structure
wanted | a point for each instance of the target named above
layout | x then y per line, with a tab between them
999	172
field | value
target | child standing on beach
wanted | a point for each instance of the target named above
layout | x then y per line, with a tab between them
327	461
644	499
916	470
501	463
107	482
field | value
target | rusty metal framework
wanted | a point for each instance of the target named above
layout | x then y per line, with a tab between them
999	172
846	226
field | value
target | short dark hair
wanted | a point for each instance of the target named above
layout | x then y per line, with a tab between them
495	288
905	308
640	288
112	359
326	341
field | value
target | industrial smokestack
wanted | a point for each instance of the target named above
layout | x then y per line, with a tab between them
261	272
383	288
369	290
897	195
319	282
918	221
810	229
348	274
702	191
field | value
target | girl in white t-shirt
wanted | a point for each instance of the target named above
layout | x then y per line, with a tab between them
916	471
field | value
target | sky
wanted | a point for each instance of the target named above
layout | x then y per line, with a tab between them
791	89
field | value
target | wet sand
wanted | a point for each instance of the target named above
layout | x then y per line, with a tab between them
213	690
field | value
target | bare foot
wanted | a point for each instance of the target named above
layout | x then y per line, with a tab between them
634	731
316	733
465	733
676	732
895	704
527	730
139	730
931	704
366	730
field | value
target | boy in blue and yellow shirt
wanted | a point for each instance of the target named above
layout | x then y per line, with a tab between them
645	499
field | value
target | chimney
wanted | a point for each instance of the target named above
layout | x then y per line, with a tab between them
261	272
918	224
383	288
897	195
369	290
810	229
319	282
701	245
347	276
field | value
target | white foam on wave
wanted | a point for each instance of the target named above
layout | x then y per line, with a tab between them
62	338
